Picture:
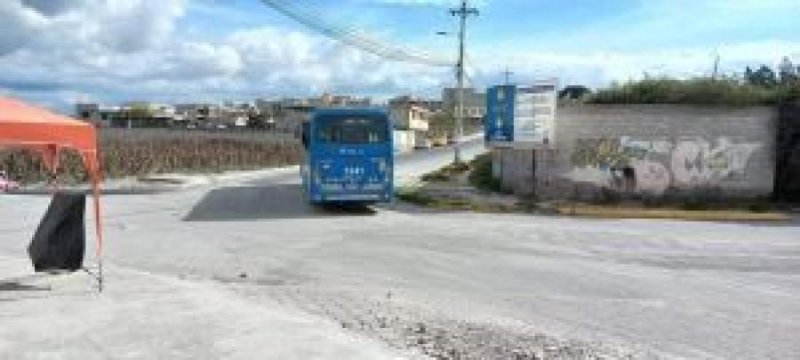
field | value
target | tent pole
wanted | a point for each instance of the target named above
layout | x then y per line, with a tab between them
98	229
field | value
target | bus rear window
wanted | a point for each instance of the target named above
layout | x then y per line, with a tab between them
352	131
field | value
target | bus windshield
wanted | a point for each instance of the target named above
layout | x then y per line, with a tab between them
352	130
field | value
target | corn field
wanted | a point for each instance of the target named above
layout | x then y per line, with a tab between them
134	153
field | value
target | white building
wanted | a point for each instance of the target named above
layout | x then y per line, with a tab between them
410	117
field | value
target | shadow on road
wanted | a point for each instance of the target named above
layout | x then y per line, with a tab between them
15	286
269	202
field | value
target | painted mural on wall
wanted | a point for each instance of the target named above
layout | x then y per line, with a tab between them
653	166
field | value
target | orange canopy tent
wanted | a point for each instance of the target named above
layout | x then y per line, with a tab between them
26	126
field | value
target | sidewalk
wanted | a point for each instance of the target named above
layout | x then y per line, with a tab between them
147	316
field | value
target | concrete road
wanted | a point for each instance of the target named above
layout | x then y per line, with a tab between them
463	284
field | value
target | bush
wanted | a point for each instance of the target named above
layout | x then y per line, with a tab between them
447	173
726	91
481	175
414	196
694	205
759	207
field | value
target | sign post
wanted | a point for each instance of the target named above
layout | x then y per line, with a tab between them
522	118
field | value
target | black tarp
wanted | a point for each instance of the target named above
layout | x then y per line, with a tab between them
60	240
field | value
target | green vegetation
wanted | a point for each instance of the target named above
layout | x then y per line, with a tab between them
414	196
761	86
637	212
574	93
693	91
139	156
435	192
441	124
138	111
421	197
481	175
447	173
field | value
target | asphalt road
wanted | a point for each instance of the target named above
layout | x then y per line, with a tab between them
475	285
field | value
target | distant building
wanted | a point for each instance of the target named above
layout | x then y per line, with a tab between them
287	114
430	104
284	115
214	116
328	100
96	114
130	115
410	117
474	102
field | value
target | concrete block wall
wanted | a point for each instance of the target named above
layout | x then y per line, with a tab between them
657	151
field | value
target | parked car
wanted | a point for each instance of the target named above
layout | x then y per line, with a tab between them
7	184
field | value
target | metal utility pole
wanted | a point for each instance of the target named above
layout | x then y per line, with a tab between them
508	74
716	66
463	12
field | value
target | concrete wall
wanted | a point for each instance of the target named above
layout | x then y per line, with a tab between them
651	151
787	182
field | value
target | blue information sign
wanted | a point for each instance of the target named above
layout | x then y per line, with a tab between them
500	102
521	116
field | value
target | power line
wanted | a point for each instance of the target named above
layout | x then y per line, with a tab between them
351	36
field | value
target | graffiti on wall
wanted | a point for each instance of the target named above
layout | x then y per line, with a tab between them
653	166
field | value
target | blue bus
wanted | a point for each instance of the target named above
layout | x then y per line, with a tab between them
349	157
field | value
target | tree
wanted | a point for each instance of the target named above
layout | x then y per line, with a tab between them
442	124
574	92
257	120
139	111
763	77
787	72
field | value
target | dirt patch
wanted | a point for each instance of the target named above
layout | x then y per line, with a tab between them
625	212
427	334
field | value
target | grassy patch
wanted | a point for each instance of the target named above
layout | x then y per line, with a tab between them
616	212
481	175
419	197
447	173
414	196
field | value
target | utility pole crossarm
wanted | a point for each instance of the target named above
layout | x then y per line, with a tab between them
463	12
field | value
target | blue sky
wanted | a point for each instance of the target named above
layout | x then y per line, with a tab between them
56	52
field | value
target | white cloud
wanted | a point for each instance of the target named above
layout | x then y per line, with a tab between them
438	3
599	68
118	50
114	50
52	7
